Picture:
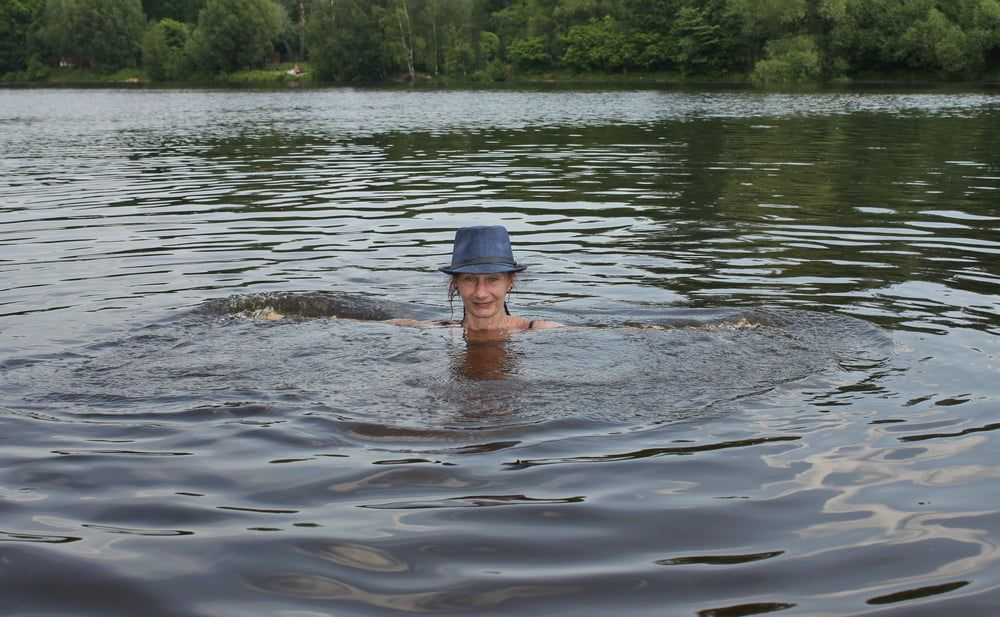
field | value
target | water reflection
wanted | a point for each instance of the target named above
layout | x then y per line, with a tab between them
355	555
812	462
487	356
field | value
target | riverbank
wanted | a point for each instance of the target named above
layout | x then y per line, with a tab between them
301	73
286	72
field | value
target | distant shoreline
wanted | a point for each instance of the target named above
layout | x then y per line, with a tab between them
281	76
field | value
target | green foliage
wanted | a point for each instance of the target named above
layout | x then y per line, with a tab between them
397	44
868	34
952	39
937	43
163	49
342	47
292	38
489	54
548	20
347	40
103	34
832	10
790	60
651	15
235	34
16	17
529	53
986	16
36	70
185	11
489	46
984	33
699	45
360	41
459	55
601	45
761	18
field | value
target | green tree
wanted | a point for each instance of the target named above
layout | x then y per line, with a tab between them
103	34
984	30
397	41
185	11
291	41
346	43
16	17
529	53
449	30
235	34
527	19
376	39
789	60
938	44
163	49
493	68
459	54
761	20
653	15
699	45
866	35
602	45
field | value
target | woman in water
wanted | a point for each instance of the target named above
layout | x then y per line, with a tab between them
482	274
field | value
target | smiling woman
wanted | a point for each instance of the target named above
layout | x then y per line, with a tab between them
483	273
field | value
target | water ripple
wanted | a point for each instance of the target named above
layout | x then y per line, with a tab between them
781	370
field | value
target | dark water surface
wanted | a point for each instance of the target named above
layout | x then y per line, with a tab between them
165	451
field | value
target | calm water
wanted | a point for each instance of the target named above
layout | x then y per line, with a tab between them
164	452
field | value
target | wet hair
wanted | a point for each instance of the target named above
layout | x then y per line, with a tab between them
453	291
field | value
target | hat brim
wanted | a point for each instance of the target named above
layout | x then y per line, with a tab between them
483	268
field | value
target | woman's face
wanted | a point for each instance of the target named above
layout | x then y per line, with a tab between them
483	294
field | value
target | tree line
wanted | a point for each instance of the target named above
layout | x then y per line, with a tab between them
780	41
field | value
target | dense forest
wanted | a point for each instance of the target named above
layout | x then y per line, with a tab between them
777	41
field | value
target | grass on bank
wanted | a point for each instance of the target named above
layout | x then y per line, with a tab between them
76	76
49	75
282	74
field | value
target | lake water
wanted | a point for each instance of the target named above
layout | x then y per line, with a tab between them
164	451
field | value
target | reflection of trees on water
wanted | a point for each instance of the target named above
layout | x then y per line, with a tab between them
829	206
586	170
838	207
774	208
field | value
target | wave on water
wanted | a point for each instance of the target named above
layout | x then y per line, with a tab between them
312	463
659	365
313	304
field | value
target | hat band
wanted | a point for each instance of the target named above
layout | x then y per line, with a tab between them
484	260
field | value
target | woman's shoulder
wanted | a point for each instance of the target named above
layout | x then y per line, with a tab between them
414	323
537	324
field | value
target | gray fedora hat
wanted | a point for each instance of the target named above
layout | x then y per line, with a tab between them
482	250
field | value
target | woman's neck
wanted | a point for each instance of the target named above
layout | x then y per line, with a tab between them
496	322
